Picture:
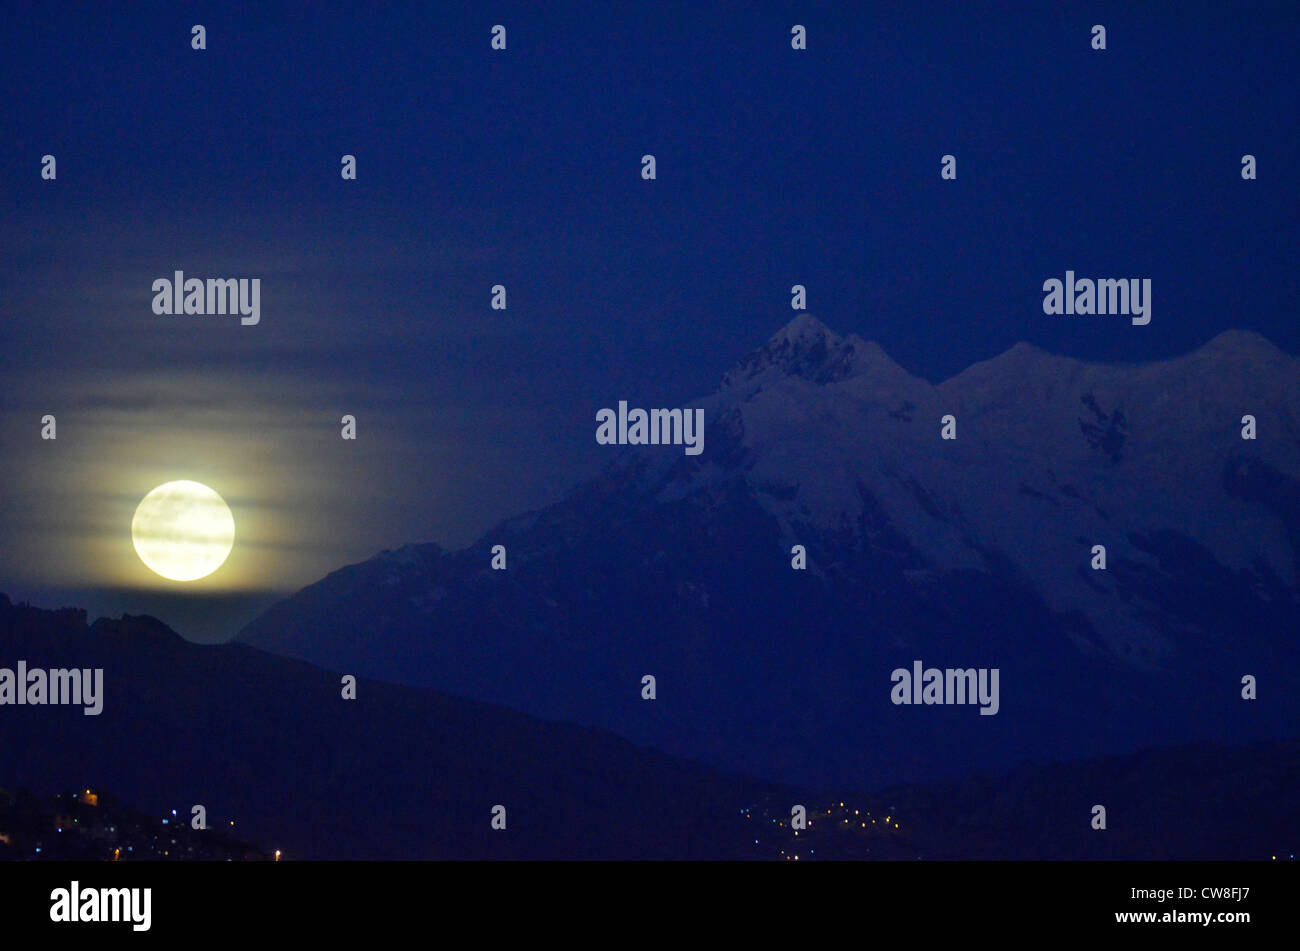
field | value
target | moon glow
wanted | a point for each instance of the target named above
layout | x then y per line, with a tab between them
183	530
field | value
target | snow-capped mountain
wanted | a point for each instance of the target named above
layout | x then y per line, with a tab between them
976	551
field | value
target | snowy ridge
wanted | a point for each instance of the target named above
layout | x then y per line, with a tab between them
975	551
1052	456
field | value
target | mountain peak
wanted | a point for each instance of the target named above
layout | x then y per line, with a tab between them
805	348
804	330
140	627
1241	342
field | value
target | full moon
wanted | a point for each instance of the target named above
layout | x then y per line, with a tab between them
183	530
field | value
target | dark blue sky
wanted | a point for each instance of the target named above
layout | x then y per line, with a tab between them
775	167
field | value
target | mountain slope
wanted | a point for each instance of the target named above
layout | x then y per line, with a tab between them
972	552
397	773
402	773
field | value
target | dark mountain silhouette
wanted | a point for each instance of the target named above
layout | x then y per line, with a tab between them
399	773
968	553
1195	802
407	773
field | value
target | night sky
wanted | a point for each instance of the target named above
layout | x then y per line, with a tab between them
522	168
